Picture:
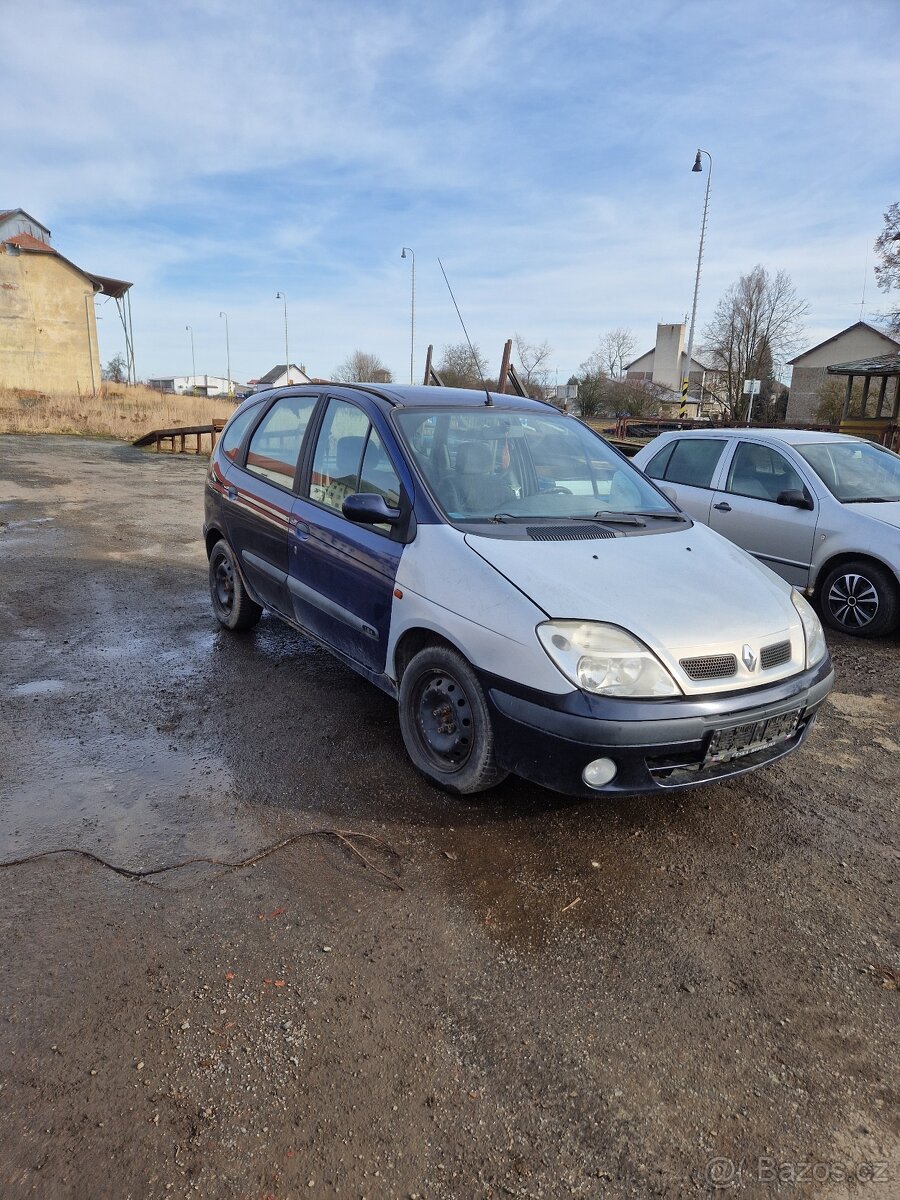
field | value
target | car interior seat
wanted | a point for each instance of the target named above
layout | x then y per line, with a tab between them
476	488
347	454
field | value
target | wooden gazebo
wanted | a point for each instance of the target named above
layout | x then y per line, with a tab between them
881	425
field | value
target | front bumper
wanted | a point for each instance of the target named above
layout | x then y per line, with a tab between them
655	744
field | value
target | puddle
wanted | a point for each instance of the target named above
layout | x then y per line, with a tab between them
134	801
39	687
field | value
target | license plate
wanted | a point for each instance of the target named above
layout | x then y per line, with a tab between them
741	740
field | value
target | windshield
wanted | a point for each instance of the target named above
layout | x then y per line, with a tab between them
855	472
491	464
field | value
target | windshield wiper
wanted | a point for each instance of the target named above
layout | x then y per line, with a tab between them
611	518
872	500
664	516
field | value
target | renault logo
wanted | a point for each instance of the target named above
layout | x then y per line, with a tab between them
748	658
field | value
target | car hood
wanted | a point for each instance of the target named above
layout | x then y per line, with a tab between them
685	593
888	513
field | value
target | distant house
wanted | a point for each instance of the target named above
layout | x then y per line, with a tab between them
48	330
280	376
809	374
663	366
195	385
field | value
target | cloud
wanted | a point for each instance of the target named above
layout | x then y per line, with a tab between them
214	155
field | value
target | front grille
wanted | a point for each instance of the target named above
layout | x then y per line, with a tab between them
712	666
567	533
774	656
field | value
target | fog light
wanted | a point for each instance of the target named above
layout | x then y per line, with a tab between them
599	773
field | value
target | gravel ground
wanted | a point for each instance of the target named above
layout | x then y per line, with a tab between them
523	995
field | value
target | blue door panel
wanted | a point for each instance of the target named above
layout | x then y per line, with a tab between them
258	516
341	582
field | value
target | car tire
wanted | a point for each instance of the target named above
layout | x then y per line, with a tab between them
231	603
859	598
446	724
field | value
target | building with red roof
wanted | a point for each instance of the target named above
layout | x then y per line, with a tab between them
48	328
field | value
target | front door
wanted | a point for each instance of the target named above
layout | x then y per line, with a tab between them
746	511
341	574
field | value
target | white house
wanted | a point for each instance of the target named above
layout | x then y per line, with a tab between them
280	376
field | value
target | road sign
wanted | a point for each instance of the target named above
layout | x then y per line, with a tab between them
751	387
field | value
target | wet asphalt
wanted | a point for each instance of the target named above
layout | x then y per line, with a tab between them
520	994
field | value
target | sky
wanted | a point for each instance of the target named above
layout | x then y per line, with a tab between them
214	153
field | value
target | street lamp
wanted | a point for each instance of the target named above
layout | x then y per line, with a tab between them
193	359
412	316
227	350
698	166
287	361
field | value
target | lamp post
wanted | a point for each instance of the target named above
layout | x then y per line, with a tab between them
698	166
287	361
227	350
412	312
193	359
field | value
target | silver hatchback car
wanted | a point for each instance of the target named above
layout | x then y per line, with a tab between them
820	509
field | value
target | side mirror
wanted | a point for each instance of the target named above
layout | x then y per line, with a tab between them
669	493
368	508
794	498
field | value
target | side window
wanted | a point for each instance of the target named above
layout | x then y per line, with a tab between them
234	434
275	446
694	461
377	474
339	451
761	473
656	467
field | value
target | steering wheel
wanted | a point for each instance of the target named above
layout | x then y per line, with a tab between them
559	491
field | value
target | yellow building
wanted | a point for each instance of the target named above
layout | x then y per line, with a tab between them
48	331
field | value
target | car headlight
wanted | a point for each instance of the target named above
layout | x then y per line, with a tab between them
812	629
605	659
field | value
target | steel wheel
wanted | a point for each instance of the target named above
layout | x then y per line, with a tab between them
233	606
223	582
443	720
446	723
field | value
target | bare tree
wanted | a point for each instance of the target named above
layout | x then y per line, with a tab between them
887	272
758	322
116	370
362	367
532	360
458	368
616	348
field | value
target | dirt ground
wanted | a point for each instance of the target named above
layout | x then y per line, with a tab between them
523	995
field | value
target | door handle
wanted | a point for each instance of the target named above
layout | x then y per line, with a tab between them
300	528
231	493
723	507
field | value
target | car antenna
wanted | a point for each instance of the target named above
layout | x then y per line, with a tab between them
488	402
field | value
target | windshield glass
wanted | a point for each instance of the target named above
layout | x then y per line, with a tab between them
489	463
855	472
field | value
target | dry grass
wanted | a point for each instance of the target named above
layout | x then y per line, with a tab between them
116	411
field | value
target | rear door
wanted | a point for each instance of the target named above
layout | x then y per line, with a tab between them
341	574
688	467
746	510
261	496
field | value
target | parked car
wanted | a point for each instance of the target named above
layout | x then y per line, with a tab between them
821	509
532	601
